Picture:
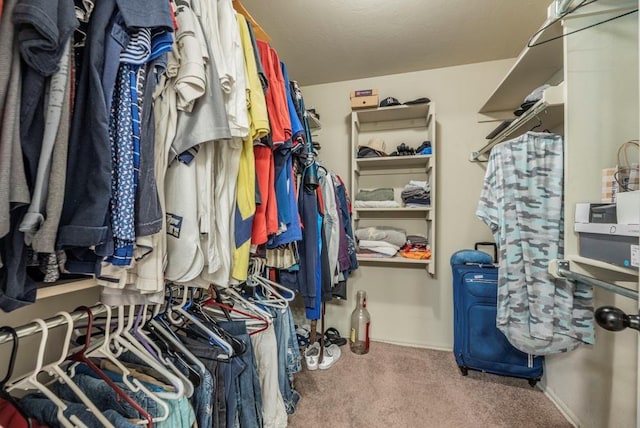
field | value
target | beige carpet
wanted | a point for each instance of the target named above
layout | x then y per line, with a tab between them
395	386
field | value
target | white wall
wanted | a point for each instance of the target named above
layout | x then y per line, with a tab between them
407	305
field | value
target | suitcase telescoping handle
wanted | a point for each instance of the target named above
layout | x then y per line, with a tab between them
488	244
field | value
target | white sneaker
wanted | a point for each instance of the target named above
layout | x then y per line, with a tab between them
331	356
311	355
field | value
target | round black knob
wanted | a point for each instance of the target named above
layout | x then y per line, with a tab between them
611	318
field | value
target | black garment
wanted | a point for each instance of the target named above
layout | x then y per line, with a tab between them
85	215
17	289
148	214
43	28
325	269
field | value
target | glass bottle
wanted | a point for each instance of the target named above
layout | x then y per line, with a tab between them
360	321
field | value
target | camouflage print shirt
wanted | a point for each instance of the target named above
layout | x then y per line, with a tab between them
522	203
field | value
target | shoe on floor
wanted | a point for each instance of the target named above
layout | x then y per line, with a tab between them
331	356
332	336
311	355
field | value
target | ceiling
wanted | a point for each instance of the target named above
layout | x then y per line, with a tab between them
334	40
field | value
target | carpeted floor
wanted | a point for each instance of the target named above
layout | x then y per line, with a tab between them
396	386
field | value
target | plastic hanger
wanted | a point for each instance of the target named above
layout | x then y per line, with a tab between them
228	310
12	360
55	369
239	347
31	382
259	32
81	356
128	342
172	346
248	305
139	336
213	337
131	382
269	288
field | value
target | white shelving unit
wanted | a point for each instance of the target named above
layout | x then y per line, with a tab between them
409	124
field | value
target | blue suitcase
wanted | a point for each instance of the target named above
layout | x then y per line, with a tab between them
477	342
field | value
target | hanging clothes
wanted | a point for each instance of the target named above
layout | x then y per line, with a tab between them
522	203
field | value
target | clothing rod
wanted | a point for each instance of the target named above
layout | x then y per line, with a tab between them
565	272
58	320
534	111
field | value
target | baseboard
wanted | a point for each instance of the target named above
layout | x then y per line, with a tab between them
566	412
415	344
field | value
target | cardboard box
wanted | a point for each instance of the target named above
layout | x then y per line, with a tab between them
609	185
364	98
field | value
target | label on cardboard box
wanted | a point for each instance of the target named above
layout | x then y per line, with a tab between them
364	93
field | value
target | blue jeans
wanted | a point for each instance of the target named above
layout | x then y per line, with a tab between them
208	354
201	399
45	411
103	396
281	327
248	390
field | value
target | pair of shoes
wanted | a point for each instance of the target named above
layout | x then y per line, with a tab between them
332	337
330	356
404	150
312	355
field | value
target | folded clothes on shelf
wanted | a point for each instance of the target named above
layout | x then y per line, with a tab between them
390	234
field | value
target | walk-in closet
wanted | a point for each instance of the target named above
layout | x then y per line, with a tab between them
268	214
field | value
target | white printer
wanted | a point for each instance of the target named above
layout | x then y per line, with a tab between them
603	237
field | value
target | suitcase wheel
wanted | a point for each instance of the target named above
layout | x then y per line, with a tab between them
532	382
463	370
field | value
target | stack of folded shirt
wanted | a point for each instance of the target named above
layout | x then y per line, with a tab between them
416	194
375	198
380	241
417	247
